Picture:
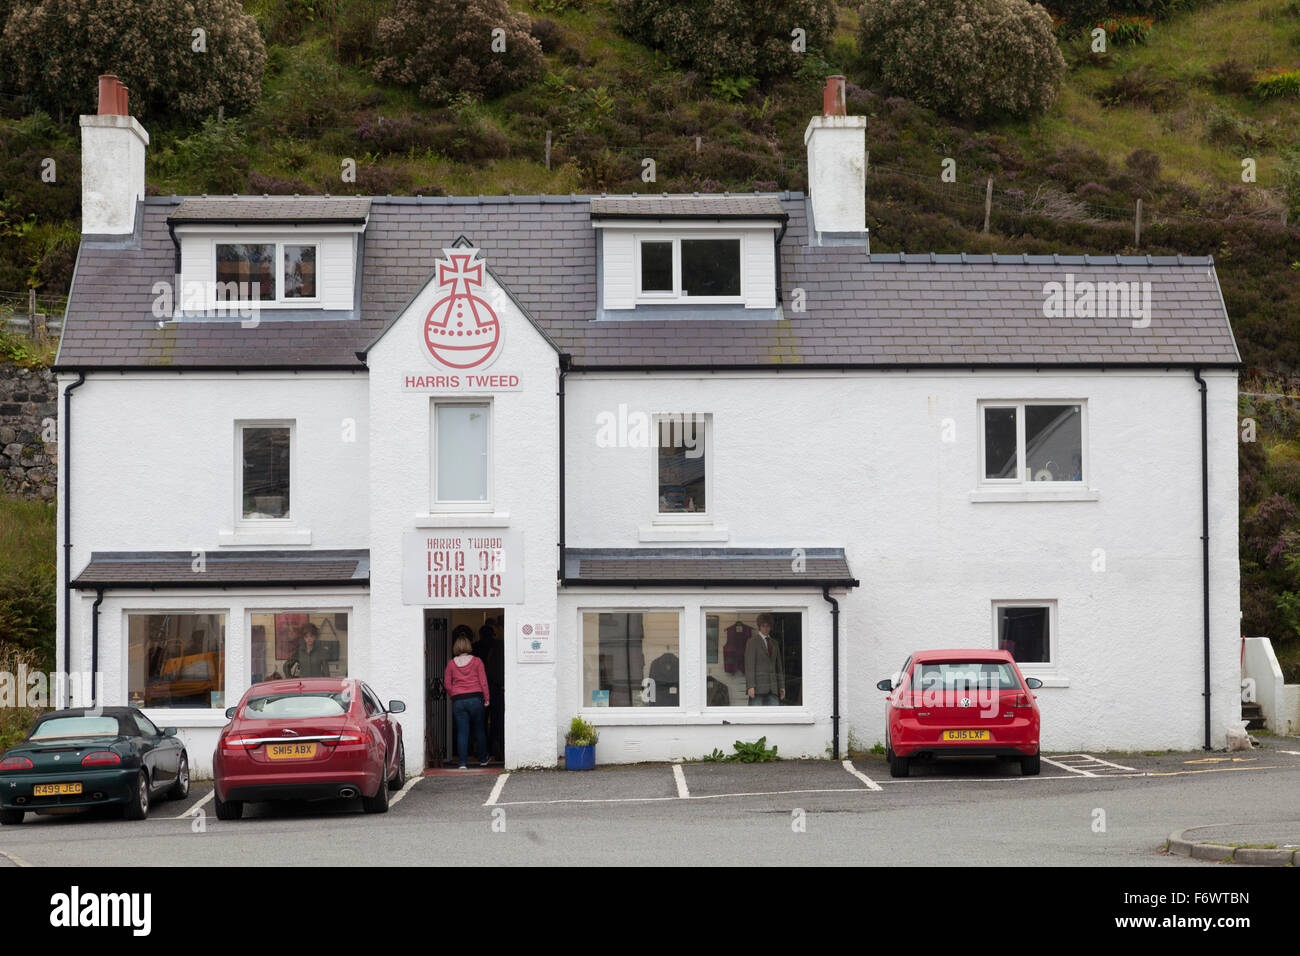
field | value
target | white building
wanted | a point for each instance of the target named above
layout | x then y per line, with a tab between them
619	429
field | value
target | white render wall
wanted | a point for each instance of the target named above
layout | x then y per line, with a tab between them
857	460
525	433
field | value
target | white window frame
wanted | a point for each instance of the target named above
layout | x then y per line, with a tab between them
682	517
677	296
585	707
128	613
280	300
476	507
705	611
256	524
1049	666
1022	480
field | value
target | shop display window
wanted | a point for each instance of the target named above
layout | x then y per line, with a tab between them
631	659
736	657
176	660
298	644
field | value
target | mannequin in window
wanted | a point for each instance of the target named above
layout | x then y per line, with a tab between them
764	669
310	659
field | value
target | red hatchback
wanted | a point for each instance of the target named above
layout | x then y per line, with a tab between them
961	703
312	739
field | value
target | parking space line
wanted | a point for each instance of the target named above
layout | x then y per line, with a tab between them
1109	764
871	784
190	812
496	790
695	796
680	776
404	791
15	859
1066	766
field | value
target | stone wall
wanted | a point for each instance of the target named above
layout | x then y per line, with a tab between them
28	409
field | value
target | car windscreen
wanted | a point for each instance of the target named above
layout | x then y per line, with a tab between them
288	706
76	727
964	675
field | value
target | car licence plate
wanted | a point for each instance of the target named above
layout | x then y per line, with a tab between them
967	735
290	751
55	789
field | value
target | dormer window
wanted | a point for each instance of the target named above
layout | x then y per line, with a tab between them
266	271
698	269
690	257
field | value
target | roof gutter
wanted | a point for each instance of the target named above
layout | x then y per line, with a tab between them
1205	546
218	585
181	369
907	367
707	583
66	453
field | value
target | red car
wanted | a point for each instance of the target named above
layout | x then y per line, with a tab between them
961	703
319	738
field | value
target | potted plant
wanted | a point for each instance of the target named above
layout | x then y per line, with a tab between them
580	745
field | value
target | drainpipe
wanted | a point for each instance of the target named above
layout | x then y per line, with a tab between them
94	646
835	671
1205	543
66	454
566	361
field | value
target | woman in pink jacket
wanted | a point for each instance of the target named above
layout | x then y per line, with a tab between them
466	682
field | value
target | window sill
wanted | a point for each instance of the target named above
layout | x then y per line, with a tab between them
611	717
1034	494
186	718
463	519
674	531
275	536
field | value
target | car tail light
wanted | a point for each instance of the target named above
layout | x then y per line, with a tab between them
1019	700
350	737
907	700
100	758
238	743
16	763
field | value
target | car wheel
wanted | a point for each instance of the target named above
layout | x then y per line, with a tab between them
11	818
399	776
181	788
379	802
228	809
1029	766
137	808
899	766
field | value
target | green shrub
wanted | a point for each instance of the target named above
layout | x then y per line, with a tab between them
757	752
212	159
1288	170
971	58
1122	30
581	733
27	579
57	49
1277	83
443	47
1227	128
17	720
720	38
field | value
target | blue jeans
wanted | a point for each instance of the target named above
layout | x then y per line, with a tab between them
765	700
470	711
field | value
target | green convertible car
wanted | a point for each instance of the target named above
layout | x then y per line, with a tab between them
82	758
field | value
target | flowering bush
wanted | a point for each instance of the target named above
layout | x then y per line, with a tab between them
1277	82
729	38
1127	30
445	47
972	58
56	49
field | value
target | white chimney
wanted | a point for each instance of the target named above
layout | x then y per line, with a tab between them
112	163
837	173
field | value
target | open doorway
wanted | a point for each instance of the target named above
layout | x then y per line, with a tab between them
485	628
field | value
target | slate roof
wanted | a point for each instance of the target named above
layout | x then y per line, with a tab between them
687	207
175	569
872	311
769	567
272	209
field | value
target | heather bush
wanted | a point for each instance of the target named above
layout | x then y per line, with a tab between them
1143	87
444	47
971	58
729	38
56	49
1231	76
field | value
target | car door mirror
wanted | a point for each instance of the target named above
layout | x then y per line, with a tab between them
885	684
169	732
1033	683
230	713
396	707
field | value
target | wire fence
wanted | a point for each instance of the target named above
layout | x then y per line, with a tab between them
33	314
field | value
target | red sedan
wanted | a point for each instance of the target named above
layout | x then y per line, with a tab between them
961	703
317	738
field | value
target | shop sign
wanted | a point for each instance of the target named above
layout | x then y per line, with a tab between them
462	567
536	644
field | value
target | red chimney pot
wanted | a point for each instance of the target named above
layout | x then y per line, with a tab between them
833	103
112	96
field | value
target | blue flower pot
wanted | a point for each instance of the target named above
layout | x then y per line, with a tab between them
579	758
